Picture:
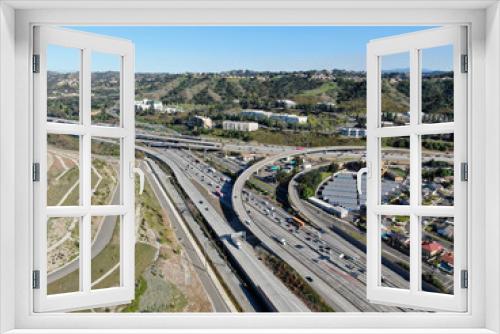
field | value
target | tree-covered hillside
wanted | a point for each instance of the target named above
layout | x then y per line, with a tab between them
331	98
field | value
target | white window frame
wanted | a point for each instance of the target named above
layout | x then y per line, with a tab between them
412	44
16	20
124	133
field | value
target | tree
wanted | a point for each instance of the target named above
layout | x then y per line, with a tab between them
355	165
306	192
333	167
281	176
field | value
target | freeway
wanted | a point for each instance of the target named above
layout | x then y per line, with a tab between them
333	239
216	293
175	138
235	284
339	280
300	262
239	207
261	149
168	144
236	198
276	294
391	256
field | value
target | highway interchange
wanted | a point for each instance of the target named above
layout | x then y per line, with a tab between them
331	265
277	295
319	252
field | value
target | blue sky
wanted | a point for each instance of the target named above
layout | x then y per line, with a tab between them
215	49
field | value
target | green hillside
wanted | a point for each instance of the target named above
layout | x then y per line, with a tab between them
330	98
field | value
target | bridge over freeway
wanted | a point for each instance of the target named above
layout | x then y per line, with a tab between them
177	141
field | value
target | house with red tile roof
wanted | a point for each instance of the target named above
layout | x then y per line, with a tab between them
447	257
431	248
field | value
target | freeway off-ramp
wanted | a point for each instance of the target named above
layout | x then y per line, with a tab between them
239	184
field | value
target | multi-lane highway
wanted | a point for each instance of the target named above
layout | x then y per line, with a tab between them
276	294
238	201
334	267
220	301
301	261
324	221
329	265
391	256
240	293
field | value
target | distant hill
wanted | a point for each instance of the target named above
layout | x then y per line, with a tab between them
314	91
252	89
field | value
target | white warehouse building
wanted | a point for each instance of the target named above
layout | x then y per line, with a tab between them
240	126
334	210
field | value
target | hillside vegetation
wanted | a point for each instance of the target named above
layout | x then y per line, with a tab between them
330	99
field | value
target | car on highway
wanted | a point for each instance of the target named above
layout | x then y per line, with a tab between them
282	241
309	279
238	244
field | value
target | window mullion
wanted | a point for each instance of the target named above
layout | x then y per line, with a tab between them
85	174
414	170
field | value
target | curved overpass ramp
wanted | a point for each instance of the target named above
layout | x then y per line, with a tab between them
337	300
246	174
